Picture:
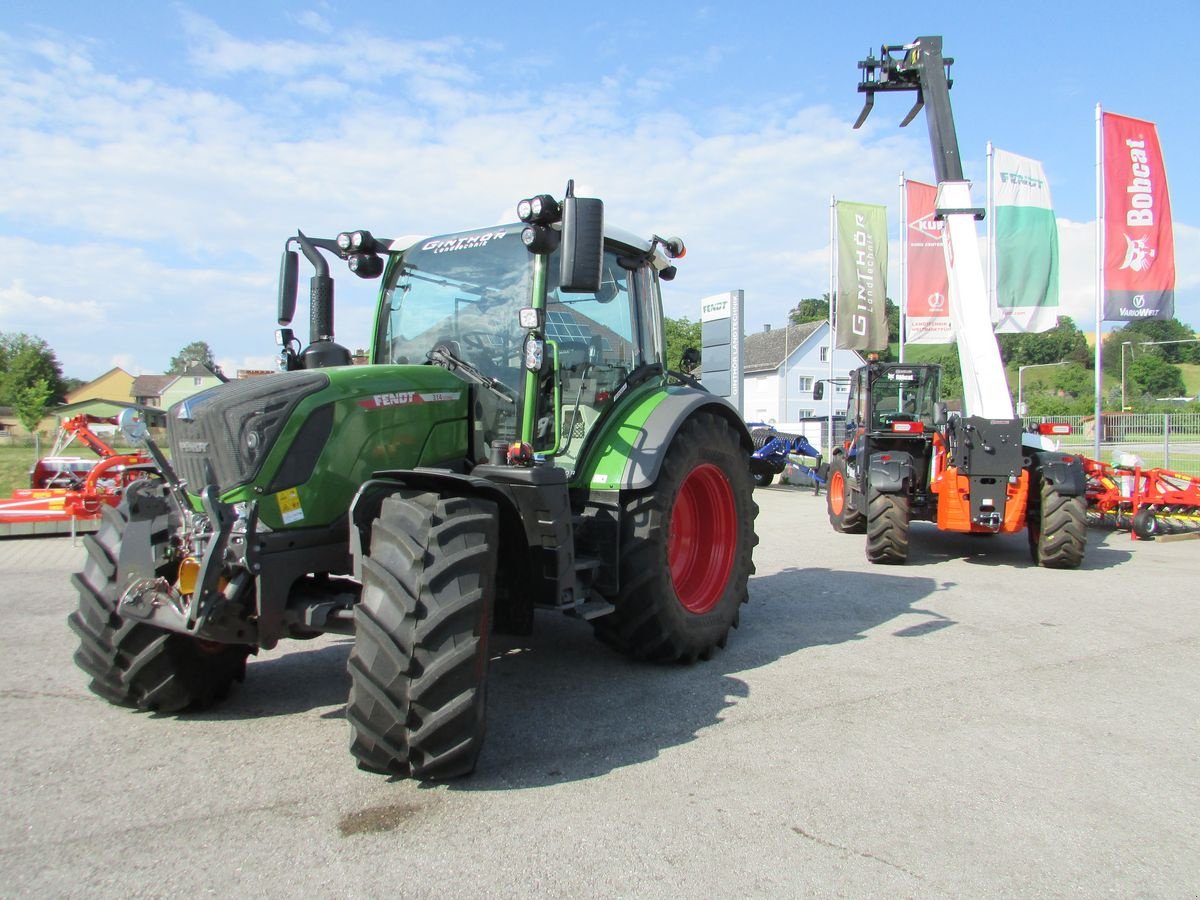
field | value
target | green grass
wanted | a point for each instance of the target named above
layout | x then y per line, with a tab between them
15	463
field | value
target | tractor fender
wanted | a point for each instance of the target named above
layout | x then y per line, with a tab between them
889	471
677	406
1065	473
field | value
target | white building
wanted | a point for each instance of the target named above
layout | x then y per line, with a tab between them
780	367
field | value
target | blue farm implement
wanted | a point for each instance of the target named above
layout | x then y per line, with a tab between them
774	451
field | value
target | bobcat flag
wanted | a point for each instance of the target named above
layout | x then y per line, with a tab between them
861	276
1139	245
927	315
1024	246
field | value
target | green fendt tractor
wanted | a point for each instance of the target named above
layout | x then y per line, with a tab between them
515	444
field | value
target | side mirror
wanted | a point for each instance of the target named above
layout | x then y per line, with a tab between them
581	253
690	361
940	415
289	273
819	390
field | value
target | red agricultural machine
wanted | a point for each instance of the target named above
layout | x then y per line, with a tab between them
1148	502
66	493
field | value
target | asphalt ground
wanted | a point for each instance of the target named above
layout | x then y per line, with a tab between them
965	725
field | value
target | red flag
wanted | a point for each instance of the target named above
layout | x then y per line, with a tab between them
928	313
1139	246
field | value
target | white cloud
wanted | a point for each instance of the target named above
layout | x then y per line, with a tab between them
176	201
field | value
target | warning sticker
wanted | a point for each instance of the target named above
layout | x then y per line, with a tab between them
289	506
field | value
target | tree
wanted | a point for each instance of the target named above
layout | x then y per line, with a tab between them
811	309
1153	375
1063	342
1145	336
195	353
26	360
680	334
30	403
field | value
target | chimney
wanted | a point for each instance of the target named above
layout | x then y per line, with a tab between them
766	329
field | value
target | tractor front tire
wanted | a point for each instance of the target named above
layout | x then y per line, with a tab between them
418	670
842	516
1057	529
887	528
686	549
131	663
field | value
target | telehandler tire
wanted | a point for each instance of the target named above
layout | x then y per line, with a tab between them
1057	529
131	663
686	549
418	670
887	528
842	516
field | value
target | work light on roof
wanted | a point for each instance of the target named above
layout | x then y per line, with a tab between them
540	210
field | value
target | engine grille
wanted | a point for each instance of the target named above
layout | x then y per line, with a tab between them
222	435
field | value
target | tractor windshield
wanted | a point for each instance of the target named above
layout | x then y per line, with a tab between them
462	292
905	394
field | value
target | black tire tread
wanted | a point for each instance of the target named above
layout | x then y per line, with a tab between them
887	528
418	667
1062	532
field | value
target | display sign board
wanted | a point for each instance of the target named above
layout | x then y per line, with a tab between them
721	346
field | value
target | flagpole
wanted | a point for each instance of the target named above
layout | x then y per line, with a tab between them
832	308
903	266
990	219
1099	422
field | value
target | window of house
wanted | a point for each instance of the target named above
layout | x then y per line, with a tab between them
806	413
806	383
197	380
824	354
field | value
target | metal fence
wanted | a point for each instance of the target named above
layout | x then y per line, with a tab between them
1153	440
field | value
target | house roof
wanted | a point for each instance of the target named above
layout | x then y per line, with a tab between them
156	385
151	385
765	350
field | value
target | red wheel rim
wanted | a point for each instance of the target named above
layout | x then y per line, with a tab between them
702	541
837	493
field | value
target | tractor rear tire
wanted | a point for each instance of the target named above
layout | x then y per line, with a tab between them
686	549
131	663
887	528
418	670
837	500
1057	529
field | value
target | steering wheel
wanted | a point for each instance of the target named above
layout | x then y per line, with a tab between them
494	346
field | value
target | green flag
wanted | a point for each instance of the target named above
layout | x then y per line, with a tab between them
1026	248
862	276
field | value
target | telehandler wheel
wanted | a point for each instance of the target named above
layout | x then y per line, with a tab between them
837	500
1057	529
686	548
887	528
131	663
418	670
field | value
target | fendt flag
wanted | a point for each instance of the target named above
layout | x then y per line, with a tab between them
1024	246
1139	245
927	317
861	276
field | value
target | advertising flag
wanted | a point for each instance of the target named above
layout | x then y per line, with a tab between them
928	312
862	276
1139	245
1025	246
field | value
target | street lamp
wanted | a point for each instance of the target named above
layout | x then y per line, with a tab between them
1124	344
1021	409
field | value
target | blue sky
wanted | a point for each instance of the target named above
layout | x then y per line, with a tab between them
156	156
